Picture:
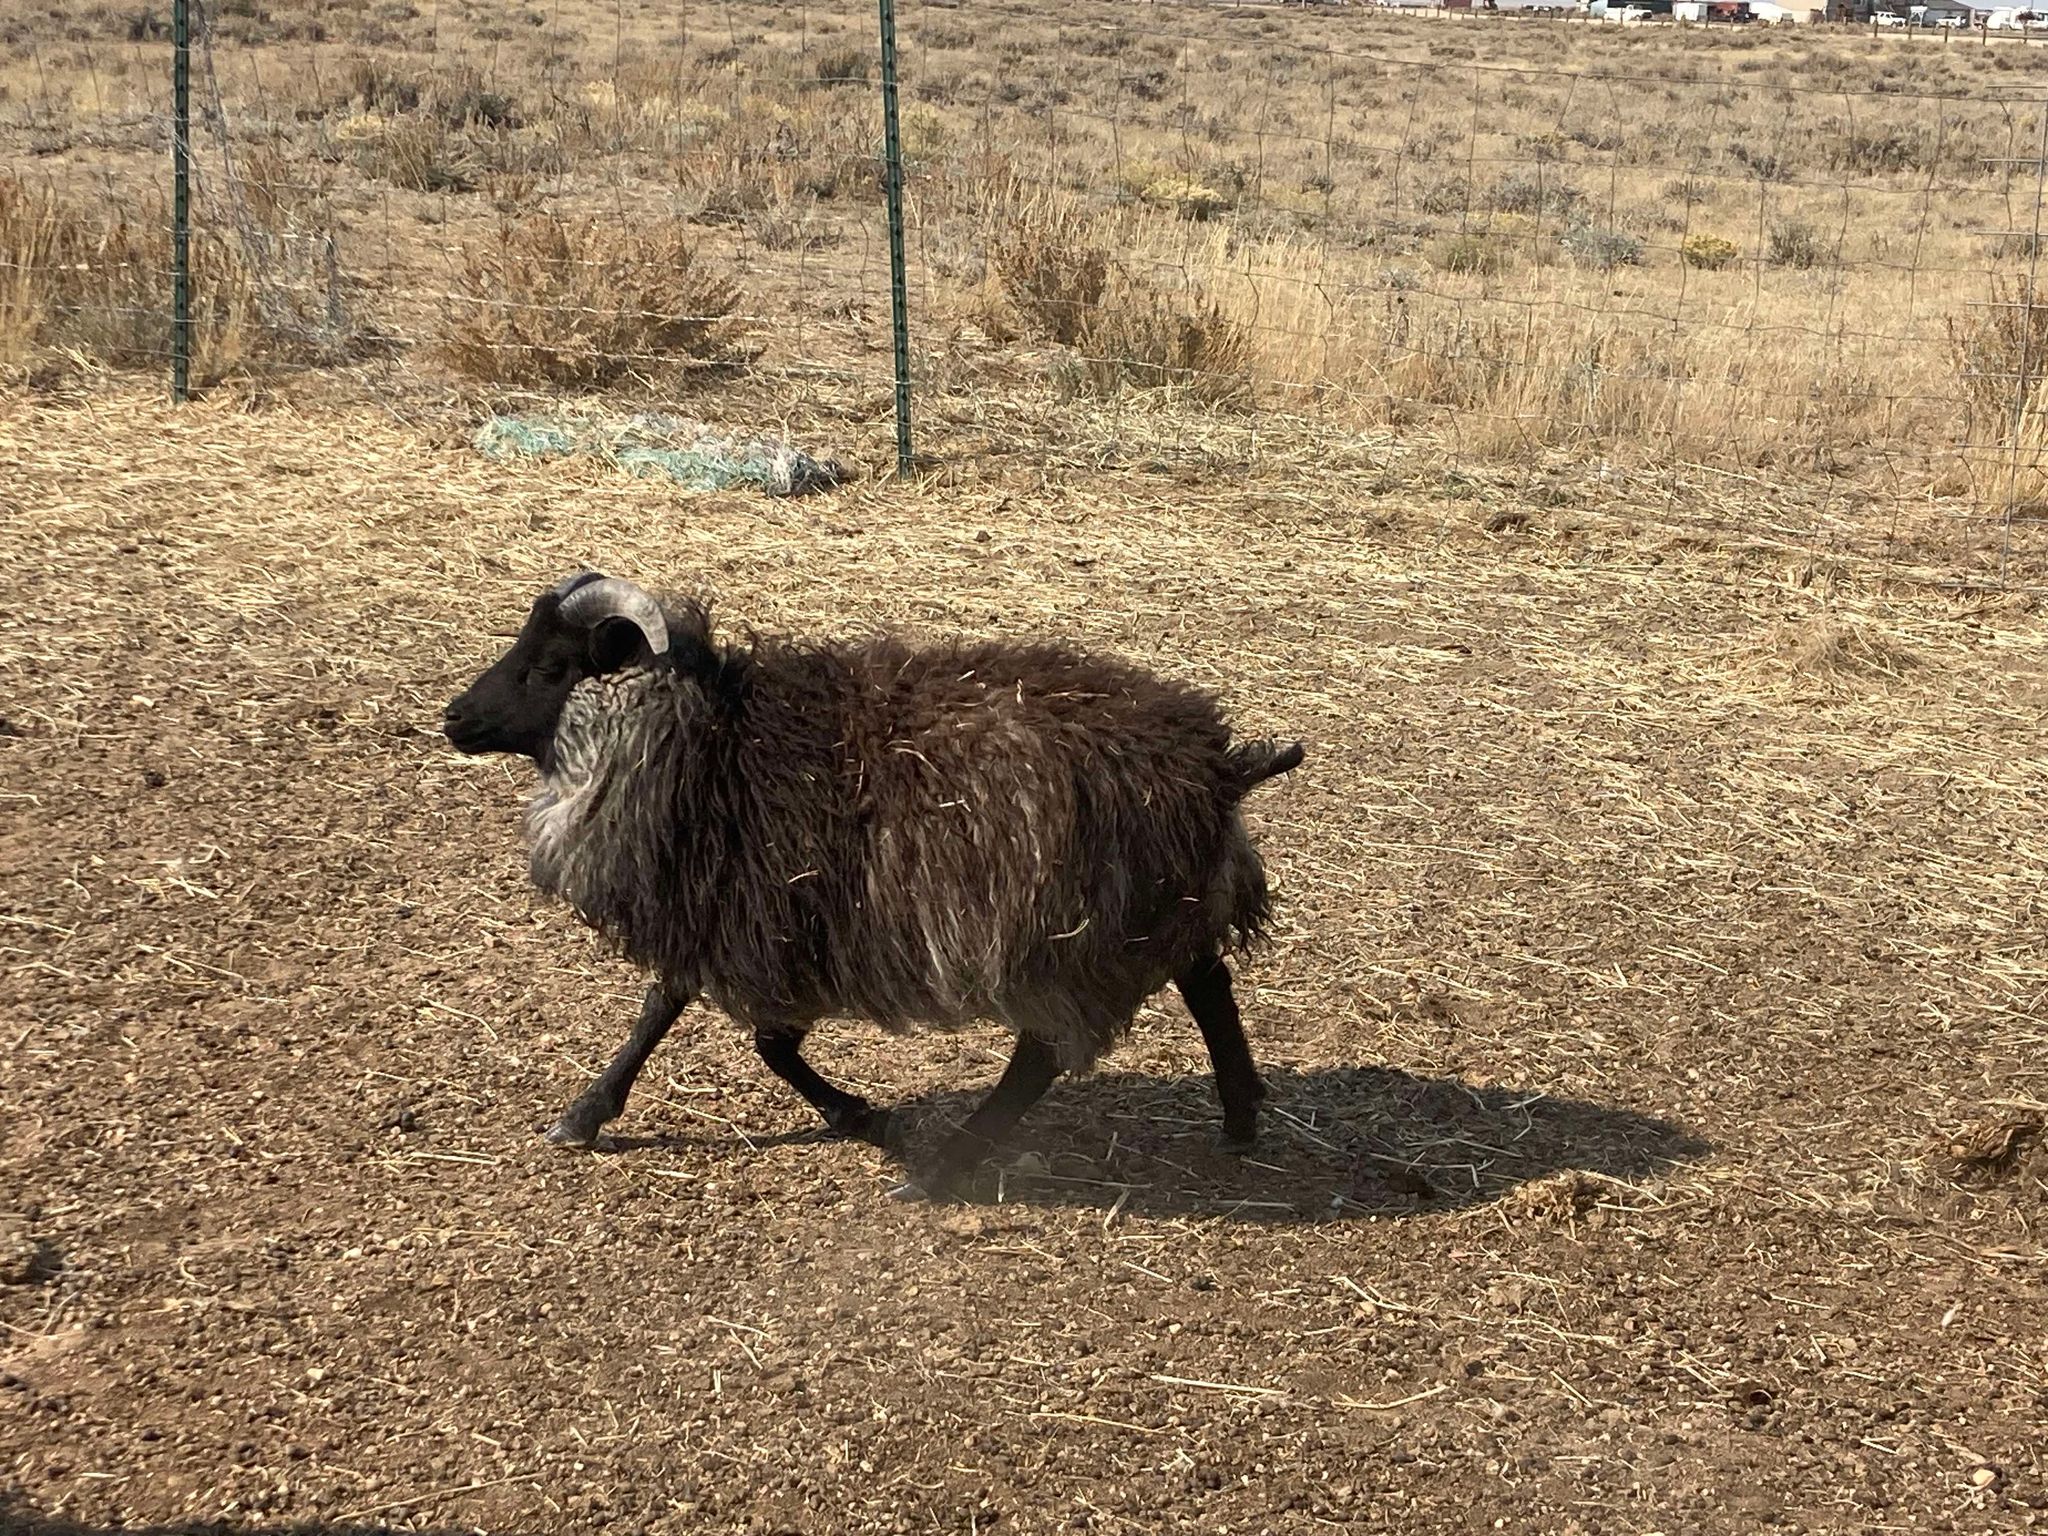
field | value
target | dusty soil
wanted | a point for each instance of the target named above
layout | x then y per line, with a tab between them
1654	1024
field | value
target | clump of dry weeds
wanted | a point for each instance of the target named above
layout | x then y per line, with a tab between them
765	152
1555	1201
1052	269
561	301
1834	652
1056	273
2000	352
445	132
78	289
410	150
841	66
1992	1149
1142	337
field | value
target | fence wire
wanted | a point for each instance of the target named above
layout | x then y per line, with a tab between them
1784	279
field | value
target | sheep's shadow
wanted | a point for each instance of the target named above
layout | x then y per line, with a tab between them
1337	1143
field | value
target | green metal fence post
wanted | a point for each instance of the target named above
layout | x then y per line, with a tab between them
181	199
899	301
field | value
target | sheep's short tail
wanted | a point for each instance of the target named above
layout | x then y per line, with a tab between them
1258	761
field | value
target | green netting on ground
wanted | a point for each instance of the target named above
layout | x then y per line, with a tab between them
691	453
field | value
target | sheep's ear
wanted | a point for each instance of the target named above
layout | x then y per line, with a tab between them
614	644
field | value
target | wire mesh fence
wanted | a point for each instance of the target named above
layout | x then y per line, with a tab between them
1783	279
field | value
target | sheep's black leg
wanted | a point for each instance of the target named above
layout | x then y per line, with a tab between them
848	1114
1033	1066
1206	990
604	1099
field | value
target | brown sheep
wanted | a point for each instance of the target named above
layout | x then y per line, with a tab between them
917	835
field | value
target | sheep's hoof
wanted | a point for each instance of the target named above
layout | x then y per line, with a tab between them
578	1127
944	1180
1238	1139
864	1122
936	1186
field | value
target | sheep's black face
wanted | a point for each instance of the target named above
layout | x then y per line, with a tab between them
515	705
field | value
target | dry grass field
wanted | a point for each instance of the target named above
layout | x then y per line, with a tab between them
1776	252
1655	1018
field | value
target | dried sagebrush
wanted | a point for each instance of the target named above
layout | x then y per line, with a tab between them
1052	269
1054	265
1143	338
565	302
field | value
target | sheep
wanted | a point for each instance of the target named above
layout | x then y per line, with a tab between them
914	835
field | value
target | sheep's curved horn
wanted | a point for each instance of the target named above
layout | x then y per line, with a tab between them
590	603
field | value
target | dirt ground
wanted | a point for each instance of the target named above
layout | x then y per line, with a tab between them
1654	1027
